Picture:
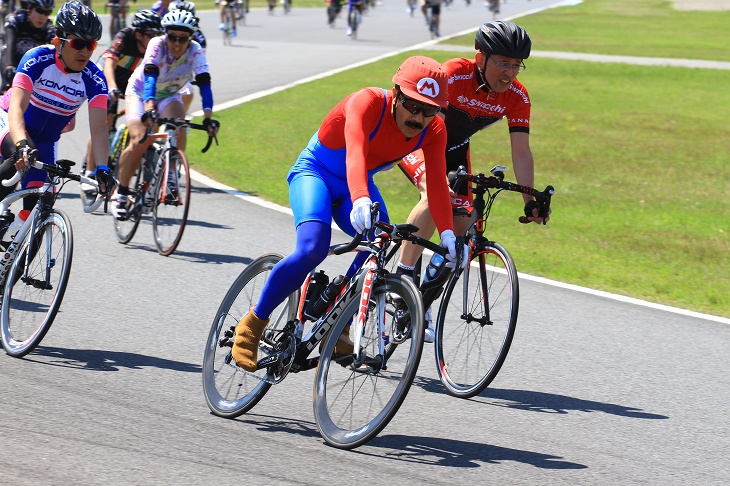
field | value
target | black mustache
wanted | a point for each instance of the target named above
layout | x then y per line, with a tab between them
414	124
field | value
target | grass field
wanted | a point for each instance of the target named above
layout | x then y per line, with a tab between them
638	156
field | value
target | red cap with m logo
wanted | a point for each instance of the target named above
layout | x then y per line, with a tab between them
423	79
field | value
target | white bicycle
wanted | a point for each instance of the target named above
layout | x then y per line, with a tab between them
36	263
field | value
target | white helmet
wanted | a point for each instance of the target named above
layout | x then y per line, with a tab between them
180	20
183	5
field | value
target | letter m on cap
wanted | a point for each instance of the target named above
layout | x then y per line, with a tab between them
428	87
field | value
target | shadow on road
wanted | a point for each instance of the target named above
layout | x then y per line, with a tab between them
421	450
540	401
457	453
103	360
552	403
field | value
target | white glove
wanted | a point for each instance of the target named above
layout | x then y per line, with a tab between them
448	241
360	216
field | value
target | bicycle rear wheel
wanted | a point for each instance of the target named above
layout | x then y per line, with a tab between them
172	202
31	300
125	229
229	390
476	322
352	404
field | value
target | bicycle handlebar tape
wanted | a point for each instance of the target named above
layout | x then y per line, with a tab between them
246	342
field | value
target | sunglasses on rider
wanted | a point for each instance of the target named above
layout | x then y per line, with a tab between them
182	39
414	107
43	11
80	44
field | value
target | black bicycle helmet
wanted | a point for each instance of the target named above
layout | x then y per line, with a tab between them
503	38
147	20
48	4
77	19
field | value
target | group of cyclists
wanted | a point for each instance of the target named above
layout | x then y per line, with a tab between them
150	64
423	123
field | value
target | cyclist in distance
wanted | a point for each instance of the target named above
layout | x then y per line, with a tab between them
169	63
161	7
51	84
118	63
224	5
25	29
433	22
120	9
368	131
482	91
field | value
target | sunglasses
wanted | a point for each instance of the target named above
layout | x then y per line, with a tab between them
43	11
415	107
150	34
182	39
80	44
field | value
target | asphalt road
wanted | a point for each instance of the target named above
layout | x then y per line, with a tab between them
594	391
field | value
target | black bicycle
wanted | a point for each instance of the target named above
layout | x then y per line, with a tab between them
355	396
478	312
161	186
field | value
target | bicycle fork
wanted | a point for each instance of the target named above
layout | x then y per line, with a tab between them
362	363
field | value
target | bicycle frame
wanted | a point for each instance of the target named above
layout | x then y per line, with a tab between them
45	204
362	283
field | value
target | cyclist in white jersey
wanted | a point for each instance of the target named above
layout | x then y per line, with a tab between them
154	87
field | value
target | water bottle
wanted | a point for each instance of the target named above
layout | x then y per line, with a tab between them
317	284
436	270
17	223
328	296
6	219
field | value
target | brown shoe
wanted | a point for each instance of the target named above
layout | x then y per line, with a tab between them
246	342
344	343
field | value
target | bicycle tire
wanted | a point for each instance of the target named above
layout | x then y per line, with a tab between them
30	304
125	229
351	407
227	29
170	212
229	391
470	345
118	148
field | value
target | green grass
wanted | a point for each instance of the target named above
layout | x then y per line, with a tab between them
638	156
649	28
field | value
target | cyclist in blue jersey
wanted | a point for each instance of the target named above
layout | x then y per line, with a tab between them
161	7
50	86
169	63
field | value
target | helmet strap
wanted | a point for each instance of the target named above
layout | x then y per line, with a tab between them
482	78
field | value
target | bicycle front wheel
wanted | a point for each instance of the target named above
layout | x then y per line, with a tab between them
172	203
229	390
352	403
476	322
35	285
125	229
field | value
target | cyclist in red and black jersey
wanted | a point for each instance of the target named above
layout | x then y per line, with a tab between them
482	92
119	61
